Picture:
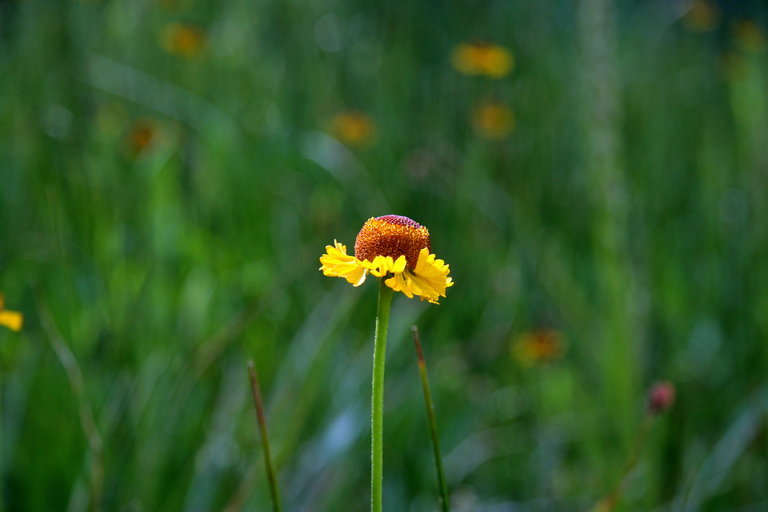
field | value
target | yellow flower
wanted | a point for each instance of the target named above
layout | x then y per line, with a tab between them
353	127
702	16
482	58
11	319
538	347
749	36
393	246
183	40
493	120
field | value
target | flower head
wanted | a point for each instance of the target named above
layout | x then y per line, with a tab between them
749	36
538	346
493	120
11	319
482	58
353	127
702	16
395	247
141	136
183	40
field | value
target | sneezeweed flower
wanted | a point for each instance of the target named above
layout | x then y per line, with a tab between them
493	119
392	247
141	136
702	16
537	347
398	251
482	58
11	319
748	36
661	397
353	128
183	40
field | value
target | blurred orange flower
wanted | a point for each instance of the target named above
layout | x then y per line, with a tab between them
538	346
183	40
702	16
748	36
142	134
493	119
11	319
482	58
353	127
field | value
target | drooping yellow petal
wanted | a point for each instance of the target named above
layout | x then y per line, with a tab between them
11	319
399	283
428	280
337	263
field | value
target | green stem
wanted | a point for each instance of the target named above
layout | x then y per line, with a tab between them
430	406
612	499
262	421
377	395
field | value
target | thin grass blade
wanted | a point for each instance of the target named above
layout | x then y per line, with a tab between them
430	407
262	421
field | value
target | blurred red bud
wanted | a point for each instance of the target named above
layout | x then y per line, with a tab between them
661	397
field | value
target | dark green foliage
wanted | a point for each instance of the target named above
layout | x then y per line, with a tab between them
167	266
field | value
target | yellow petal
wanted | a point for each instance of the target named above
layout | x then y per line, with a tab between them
337	263
399	265
399	284
380	265
428	280
11	319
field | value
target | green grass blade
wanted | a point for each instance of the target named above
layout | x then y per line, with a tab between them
262	421
430	407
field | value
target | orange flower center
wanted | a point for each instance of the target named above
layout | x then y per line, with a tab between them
392	235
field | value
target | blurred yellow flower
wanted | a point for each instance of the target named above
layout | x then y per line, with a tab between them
702	16
11	319
493	119
183	40
482	58
353	127
538	347
748	36
394	246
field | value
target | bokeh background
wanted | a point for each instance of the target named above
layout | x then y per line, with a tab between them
594	172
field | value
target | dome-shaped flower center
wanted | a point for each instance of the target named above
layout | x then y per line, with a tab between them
392	235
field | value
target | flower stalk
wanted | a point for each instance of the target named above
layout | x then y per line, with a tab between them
377	395
398	251
660	399
430	406
262	421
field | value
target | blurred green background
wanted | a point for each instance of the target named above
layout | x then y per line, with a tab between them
594	172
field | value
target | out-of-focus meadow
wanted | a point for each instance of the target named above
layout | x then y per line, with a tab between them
595	174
